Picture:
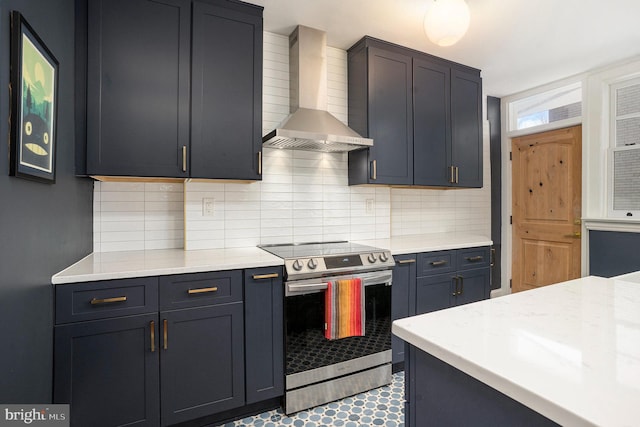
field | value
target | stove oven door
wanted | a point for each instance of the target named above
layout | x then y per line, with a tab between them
310	357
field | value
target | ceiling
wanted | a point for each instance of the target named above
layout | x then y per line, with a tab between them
517	44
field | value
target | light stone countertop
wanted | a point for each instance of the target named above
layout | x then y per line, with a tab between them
400	245
128	264
122	265
570	351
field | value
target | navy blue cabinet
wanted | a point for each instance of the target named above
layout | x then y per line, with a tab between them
174	88
449	278
402	294
264	333
380	108
106	352
160	351
423	113
201	345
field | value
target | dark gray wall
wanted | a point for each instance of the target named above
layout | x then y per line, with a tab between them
43	227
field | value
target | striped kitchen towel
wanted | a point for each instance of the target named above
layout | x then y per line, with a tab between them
344	309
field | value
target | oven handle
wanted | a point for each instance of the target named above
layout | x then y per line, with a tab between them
375	278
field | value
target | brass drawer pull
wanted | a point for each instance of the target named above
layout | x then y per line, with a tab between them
406	261
475	258
438	263
98	301
152	326
265	276
165	333
202	290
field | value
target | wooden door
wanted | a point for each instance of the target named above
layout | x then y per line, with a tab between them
547	173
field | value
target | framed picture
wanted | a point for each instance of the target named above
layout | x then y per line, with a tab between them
34	99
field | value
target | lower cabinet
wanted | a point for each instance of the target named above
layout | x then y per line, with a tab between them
201	362
108	371
264	334
431	281
190	354
402	294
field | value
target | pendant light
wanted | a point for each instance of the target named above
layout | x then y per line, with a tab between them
446	21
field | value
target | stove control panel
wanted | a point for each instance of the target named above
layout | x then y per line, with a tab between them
306	266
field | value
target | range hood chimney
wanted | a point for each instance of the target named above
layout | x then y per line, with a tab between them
310	126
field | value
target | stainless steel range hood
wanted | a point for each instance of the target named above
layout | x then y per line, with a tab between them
310	126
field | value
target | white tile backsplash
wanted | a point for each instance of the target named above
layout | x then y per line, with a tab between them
303	196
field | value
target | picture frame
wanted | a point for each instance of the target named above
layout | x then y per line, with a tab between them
34	100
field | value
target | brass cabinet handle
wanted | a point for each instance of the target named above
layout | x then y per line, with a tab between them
374	169
452	178
455	290
98	301
202	290
475	258
461	285
184	158
493	257
259	162
457	175
575	235
152	326
406	261
265	276
438	263
165	333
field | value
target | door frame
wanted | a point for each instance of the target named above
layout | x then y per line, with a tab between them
507	197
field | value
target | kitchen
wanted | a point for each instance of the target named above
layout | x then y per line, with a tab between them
70	233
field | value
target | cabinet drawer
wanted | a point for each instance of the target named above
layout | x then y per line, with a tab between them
473	258
193	290
436	262
101	300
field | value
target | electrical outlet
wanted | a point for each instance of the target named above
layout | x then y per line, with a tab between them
369	206
207	206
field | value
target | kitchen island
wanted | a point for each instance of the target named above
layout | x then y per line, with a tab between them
567	354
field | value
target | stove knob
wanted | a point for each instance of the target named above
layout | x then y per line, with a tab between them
312	264
384	257
297	265
371	258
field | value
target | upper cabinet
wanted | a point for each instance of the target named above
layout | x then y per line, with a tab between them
174	88
423	113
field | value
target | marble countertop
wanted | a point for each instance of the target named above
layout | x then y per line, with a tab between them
570	351
122	265
127	264
400	245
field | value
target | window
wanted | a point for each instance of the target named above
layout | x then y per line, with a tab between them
625	149
547	107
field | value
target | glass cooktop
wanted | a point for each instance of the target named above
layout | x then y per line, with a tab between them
306	250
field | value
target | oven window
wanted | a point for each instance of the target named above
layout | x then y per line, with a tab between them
306	346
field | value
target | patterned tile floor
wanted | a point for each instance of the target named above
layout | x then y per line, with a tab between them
383	406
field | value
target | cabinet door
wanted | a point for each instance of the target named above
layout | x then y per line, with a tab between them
108	371
264	336
473	285
433	293
390	118
138	87
431	123
202	361
226	127
466	127
402	294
